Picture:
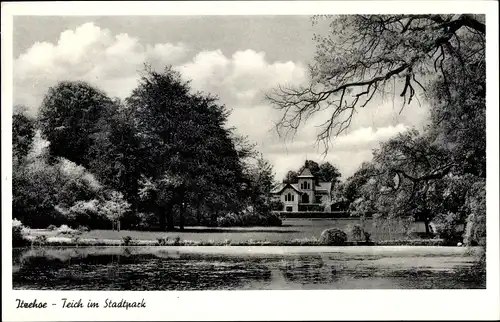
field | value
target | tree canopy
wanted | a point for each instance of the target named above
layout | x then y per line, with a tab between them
69	118
323	172
440	58
362	54
165	150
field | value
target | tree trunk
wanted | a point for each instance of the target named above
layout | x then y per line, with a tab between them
213	219
427	229
182	210
161	215
170	217
198	210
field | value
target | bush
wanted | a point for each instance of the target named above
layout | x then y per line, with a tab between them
88	213
75	239
114	207
40	240
446	228
66	230
39	185
333	236
147	221
83	229
18	239
277	205
127	240
356	232
162	241
367	236
52	227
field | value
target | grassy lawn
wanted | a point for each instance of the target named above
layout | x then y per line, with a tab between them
292	229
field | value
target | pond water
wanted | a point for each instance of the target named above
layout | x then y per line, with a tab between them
244	268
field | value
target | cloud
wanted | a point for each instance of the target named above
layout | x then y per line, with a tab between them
91	54
242	79
113	61
347	151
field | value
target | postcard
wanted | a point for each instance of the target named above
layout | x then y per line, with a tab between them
288	160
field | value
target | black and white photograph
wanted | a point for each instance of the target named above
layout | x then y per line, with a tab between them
249	152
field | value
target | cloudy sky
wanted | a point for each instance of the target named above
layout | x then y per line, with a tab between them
238	58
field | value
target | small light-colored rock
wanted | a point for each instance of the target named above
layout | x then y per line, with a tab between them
459	244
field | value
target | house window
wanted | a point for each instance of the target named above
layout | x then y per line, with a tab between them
289	197
289	209
305	185
305	198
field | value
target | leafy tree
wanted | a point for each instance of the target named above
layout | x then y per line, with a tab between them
353	184
475	233
116	158
69	117
261	182
361	54
458	116
328	173
23	132
324	172
115	207
291	177
439	56
189	155
43	192
413	177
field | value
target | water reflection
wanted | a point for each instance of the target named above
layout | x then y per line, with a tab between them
117	268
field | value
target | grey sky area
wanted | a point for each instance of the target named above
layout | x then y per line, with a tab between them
238	58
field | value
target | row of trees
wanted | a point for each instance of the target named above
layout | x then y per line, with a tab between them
163	156
437	174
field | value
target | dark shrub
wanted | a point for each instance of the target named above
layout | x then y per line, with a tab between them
87	213
147	221
333	236
83	229
162	241
75	239
447	228
277	205
367	236
18	239
356	232
40	240
127	240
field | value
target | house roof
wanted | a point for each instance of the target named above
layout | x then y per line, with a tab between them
283	186
306	173
324	186
321	187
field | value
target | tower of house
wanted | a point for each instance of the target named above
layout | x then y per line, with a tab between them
306	185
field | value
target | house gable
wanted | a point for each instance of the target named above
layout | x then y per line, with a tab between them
281	188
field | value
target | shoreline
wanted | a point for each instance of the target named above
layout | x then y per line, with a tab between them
35	241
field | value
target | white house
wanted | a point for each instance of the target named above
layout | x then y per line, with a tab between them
306	195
